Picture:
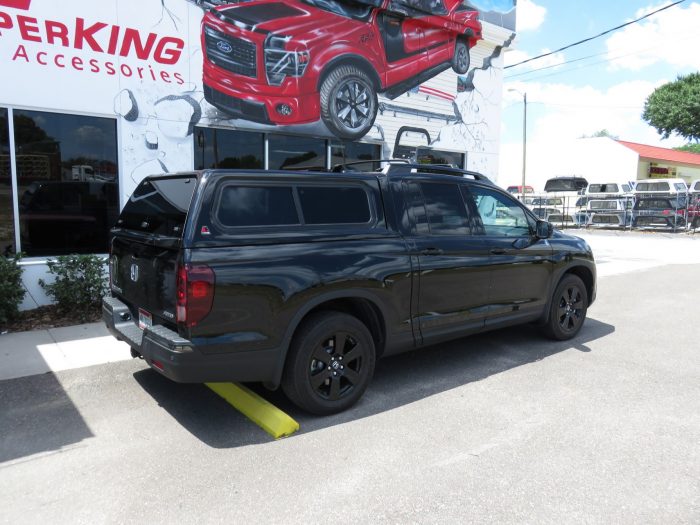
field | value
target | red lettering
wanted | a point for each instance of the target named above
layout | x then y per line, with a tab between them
126	70
113	40
40	58
5	21
94	66
150	69
109	66
169	50
21	53
17	4
166	77
87	35
77	63
132	39
57	31
139	70
179	78
28	25
56	61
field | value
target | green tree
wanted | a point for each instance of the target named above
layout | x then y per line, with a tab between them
600	133
675	108
691	148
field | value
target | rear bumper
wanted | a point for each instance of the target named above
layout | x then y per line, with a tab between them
181	360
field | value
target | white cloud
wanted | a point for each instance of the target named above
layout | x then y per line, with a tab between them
530	16
671	36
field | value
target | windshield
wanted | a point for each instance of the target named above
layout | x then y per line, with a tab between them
603	205
653	186
359	10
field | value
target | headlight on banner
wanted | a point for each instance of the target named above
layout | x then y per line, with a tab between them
281	63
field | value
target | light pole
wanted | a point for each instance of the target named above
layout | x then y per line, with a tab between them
524	135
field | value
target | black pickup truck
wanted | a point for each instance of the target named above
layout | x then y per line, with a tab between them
302	280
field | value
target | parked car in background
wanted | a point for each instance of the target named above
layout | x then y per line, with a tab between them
659	212
518	190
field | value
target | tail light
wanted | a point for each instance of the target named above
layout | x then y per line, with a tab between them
195	293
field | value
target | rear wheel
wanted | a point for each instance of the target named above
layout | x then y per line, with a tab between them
330	363
568	309
461	58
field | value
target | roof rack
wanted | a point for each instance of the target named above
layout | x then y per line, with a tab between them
439	169
394	166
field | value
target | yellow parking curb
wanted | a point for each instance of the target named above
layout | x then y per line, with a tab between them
261	412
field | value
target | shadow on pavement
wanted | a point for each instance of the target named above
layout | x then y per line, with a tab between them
36	415
398	380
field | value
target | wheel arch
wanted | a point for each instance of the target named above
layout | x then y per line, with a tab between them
360	304
351	59
582	272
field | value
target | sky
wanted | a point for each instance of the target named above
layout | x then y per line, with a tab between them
605	91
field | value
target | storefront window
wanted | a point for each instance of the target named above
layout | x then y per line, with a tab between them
434	156
296	153
7	230
227	149
68	182
349	152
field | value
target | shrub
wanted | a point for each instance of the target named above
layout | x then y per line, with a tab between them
11	288
79	285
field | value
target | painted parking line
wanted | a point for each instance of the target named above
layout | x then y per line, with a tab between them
260	411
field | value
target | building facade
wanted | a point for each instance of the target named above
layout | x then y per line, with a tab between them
98	95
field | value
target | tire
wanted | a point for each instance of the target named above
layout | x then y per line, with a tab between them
322	375
348	102
567	311
461	59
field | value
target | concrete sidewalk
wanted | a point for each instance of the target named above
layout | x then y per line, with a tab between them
40	351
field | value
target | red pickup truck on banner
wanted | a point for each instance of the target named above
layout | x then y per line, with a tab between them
298	61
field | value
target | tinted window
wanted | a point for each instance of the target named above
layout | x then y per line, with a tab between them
501	215
287	152
159	207
445	208
431	156
603	205
345	152
7	230
603	188
333	205
565	184
68	183
653	186
242	206
653	204
227	149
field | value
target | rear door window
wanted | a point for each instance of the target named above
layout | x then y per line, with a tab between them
445	208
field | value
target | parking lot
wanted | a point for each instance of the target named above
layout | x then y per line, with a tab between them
503	427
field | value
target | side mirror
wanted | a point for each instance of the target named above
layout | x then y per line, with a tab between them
544	230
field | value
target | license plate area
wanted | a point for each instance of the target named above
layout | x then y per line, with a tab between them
145	319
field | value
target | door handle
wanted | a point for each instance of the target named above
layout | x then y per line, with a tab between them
497	251
432	251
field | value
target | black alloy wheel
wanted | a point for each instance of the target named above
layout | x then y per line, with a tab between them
348	102
568	309
330	363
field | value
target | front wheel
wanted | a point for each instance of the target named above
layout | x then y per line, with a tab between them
568	309
348	102
461	59
330	363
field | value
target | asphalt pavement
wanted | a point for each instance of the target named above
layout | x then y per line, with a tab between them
504	427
